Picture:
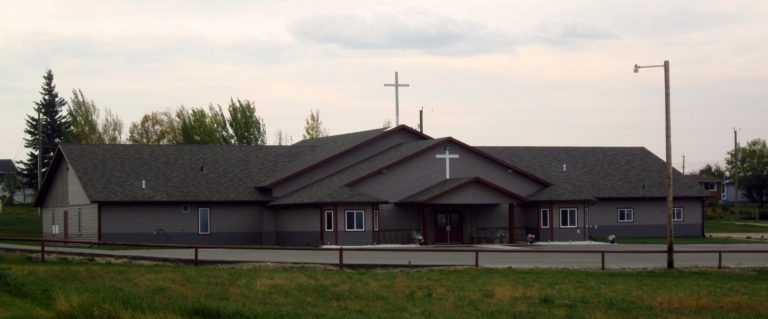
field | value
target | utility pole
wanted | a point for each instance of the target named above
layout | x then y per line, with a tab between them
397	86
668	129
683	164
736	165
421	120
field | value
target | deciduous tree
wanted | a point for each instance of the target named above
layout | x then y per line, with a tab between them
750	168
313	126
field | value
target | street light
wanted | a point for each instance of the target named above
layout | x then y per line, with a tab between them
670	234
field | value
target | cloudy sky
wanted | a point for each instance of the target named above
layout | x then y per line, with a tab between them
552	73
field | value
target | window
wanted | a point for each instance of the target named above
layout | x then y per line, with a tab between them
710	186
545	218
355	220
626	215
79	221
568	217
204	221
185	209
375	220
328	220
677	214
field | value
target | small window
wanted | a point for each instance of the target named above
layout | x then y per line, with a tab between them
328	220
710	186
185	209
204	221
544	217
677	214
568	217
626	215
355	220
375	220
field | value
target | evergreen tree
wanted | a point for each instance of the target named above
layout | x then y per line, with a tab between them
313	126
53	127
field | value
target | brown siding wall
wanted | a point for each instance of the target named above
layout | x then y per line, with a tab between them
425	170
166	223
82	222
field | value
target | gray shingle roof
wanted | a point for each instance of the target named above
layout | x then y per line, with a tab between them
331	188
173	172
7	166
596	172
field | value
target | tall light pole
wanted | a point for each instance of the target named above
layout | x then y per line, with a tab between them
670	229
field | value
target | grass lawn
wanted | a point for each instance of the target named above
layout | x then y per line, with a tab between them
20	221
737	226
684	240
83	289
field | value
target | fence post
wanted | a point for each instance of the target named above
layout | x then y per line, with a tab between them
719	259
341	257
195	256
602	260
42	250
477	259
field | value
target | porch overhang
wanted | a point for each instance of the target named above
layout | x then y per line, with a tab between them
470	190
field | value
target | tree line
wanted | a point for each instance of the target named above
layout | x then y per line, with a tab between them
80	121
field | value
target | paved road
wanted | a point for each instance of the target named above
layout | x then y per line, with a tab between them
584	256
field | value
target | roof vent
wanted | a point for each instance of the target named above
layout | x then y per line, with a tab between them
143	184
564	168
202	169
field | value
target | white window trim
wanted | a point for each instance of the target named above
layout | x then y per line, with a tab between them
199	224
712	189
325	220
682	214
631	214
542	213
375	219
575	215
346	219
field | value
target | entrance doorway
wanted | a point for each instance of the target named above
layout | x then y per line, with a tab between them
448	226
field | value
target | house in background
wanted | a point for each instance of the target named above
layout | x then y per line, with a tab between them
729	193
371	187
712	185
23	195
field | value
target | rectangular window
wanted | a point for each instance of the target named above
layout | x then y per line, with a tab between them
375	220
79	221
626	215
544	217
710	186
568	217
328	220
677	214
355	220
204	221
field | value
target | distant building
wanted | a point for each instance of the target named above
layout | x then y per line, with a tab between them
729	193
712	185
23	195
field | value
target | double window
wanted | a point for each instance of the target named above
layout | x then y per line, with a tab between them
204	221
677	214
544	218
328	220
355	220
568	217
710	186
626	215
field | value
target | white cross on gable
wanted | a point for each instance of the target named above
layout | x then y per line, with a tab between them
447	156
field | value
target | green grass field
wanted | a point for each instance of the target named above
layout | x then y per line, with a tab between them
737	226
685	240
86	289
20	221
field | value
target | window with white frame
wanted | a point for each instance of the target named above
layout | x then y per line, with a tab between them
626	215
328	220
568	217
710	186
204	221
376	219
355	220
544	218
677	214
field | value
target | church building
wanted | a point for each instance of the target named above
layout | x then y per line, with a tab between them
366	188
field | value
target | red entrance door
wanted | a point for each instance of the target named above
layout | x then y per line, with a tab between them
448	227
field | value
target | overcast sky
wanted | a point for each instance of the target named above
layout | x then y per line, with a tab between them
550	73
